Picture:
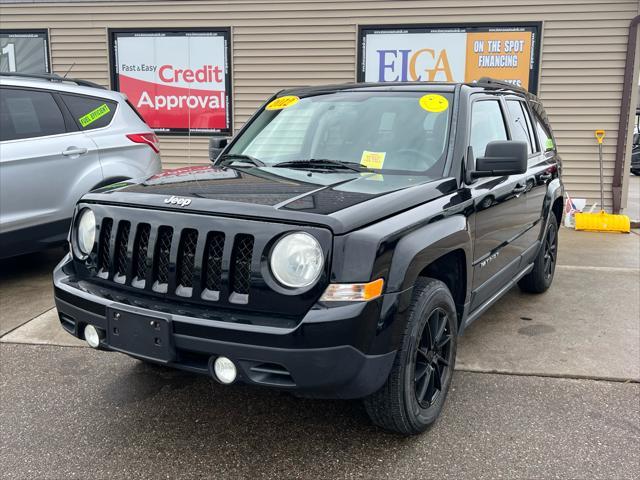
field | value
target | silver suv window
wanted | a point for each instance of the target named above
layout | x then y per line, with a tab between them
88	112
28	113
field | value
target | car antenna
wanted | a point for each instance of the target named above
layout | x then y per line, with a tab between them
72	65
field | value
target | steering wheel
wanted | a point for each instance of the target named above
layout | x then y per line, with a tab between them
425	159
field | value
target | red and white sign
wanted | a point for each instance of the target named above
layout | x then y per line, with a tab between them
178	81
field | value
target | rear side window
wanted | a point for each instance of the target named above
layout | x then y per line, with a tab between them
544	136
28	114
520	129
487	125
89	112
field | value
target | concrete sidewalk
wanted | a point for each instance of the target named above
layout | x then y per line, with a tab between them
586	325
25	287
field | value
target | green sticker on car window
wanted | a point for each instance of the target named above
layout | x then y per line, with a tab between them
94	115
548	145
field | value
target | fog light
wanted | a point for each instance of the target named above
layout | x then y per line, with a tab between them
92	336
225	370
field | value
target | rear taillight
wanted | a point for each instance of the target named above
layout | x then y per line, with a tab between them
150	139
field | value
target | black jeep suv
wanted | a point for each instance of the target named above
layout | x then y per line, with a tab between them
336	248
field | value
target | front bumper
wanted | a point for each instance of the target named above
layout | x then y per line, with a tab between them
323	356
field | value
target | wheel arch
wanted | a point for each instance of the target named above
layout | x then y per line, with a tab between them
553	203
451	269
440	250
558	208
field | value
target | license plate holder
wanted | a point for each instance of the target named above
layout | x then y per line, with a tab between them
140	335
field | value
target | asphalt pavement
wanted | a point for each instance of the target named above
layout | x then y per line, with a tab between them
78	413
547	386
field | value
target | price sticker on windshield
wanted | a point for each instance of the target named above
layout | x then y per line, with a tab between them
373	160
434	103
282	102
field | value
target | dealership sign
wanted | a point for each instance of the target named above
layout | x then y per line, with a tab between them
24	51
178	80
450	53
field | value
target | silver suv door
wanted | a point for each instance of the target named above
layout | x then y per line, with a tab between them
45	164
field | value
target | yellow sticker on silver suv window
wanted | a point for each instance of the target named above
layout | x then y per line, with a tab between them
373	160
282	102
94	115
434	103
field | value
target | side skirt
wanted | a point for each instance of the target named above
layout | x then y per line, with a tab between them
496	296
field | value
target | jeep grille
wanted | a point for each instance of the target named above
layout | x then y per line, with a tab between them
181	262
130	261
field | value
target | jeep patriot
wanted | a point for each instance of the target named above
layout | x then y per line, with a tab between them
336	248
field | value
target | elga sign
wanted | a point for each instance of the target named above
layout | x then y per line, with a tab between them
450	53
24	51
178	80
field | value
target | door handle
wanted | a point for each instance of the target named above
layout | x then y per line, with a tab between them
74	151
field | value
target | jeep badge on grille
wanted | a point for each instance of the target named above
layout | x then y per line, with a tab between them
181	201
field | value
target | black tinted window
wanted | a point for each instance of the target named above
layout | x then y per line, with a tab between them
487	125
519	126
28	113
90	113
532	136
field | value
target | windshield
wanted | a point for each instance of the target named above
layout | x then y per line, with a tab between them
386	131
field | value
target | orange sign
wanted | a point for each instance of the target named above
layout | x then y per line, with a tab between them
451	53
503	55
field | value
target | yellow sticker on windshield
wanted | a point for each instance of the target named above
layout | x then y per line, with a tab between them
377	177
373	159
434	103
282	102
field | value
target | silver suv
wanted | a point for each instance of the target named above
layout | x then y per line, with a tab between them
59	139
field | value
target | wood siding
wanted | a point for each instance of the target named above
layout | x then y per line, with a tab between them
287	43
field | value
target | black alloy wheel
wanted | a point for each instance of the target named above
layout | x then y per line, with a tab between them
415	391
433	358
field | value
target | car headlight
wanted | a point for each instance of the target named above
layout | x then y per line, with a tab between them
85	233
297	260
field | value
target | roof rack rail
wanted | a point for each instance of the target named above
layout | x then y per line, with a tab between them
52	77
493	82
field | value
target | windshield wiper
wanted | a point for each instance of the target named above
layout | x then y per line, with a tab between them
321	163
228	158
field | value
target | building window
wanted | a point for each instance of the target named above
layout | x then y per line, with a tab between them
24	51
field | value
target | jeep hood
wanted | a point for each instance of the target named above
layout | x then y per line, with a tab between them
340	200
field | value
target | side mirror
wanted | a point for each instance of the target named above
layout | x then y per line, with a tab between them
216	146
636	138
503	157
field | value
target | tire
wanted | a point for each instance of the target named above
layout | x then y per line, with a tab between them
544	266
636	172
397	406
